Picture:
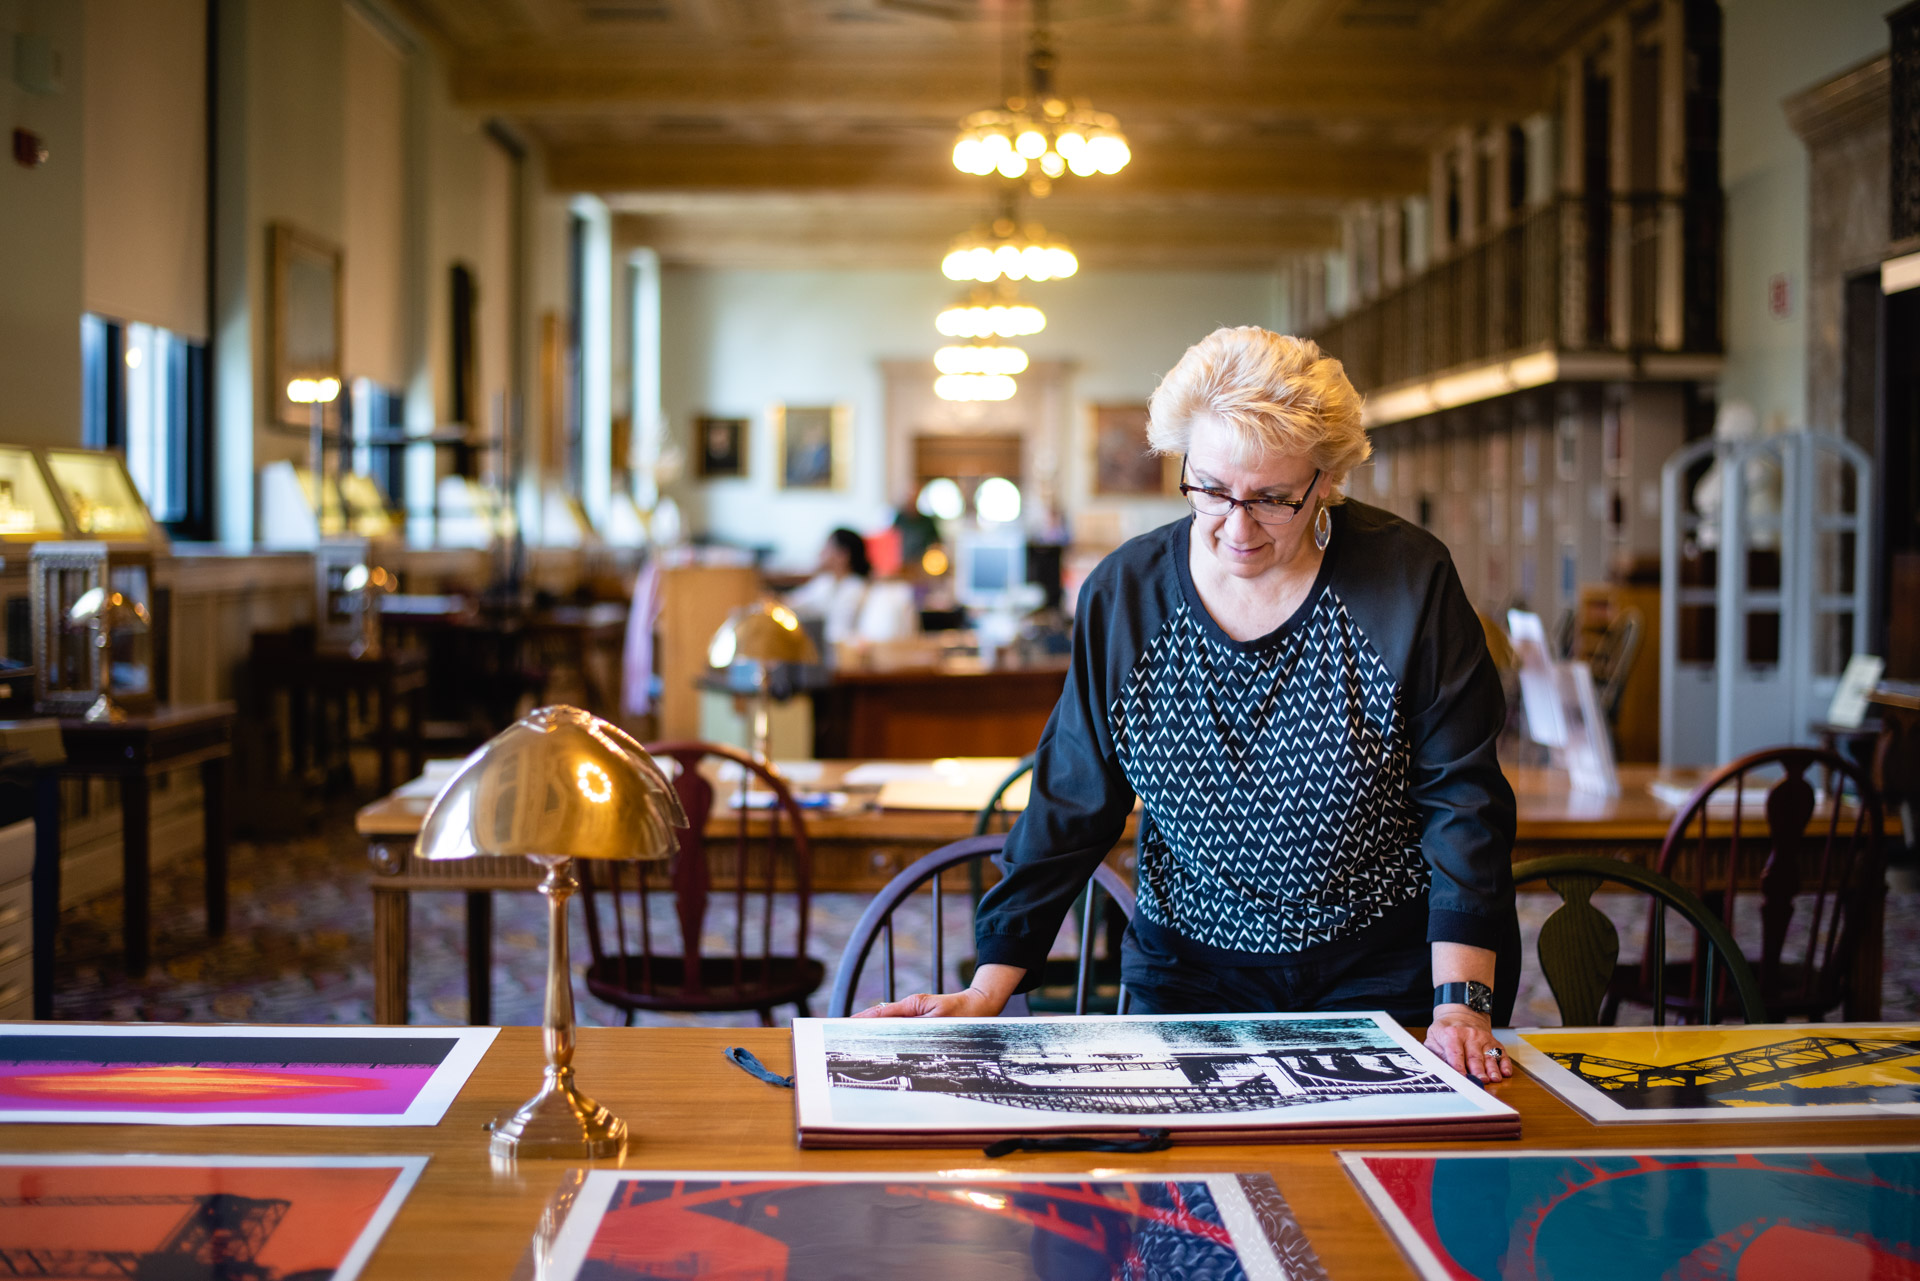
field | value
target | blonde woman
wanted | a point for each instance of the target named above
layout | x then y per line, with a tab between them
1298	692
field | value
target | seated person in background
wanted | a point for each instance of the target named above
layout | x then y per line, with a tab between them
1296	689
844	597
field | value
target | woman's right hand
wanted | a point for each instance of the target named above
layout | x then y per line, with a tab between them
992	988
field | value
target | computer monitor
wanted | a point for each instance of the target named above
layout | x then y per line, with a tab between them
990	568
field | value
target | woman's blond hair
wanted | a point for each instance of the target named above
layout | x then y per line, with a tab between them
1275	393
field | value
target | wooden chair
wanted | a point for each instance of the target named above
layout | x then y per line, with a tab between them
992	817
765	858
1579	948
876	925
1814	853
1056	992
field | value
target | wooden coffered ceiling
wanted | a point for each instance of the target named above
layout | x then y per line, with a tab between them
793	132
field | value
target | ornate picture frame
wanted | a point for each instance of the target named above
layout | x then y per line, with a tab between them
813	445
720	447
305	321
1121	466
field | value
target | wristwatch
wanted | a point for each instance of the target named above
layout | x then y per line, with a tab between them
1477	997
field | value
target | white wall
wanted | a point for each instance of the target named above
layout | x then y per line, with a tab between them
1774	48
40	238
734	343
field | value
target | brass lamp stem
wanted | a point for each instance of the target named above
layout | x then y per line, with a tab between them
559	1121
557	1034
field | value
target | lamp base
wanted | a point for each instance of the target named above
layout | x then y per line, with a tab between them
558	1122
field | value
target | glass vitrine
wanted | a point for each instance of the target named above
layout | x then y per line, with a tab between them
99	495
28	509
92	629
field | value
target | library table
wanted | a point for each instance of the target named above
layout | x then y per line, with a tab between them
134	751
689	1109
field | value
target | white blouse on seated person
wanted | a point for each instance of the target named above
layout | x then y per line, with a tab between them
855	608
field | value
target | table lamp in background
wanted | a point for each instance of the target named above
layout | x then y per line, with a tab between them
761	635
556	785
107	613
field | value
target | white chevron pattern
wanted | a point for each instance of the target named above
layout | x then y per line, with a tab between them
1274	784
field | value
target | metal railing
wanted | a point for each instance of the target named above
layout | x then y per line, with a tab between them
1615	274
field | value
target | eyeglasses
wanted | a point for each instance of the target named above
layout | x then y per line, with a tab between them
1267	511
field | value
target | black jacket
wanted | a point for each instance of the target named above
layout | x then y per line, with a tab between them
1296	788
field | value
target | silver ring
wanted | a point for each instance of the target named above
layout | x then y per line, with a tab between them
1495	1053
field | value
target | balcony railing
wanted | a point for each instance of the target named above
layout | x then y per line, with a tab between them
1623	274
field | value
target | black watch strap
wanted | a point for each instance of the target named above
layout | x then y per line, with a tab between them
1477	997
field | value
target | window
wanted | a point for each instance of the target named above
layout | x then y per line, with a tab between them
144	393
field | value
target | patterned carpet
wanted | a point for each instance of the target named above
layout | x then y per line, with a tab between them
299	948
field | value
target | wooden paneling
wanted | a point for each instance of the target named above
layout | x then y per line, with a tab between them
694	600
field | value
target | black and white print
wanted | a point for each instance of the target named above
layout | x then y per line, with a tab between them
1174	1070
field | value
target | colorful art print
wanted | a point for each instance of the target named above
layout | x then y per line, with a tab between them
720	445
260	1218
1742	1073
180	1075
1122	464
1841	1214
1231	1075
627	1224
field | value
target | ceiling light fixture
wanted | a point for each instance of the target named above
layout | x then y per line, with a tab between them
991	313
1041	136
1007	249
974	387
980	360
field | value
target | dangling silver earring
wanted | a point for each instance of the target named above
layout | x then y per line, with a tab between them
1322	529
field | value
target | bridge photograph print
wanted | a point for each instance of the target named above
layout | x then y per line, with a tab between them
262	1218
1781	1071
1225	1078
626	1225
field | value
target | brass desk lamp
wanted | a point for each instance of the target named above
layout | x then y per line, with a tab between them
761	634
106	612
556	785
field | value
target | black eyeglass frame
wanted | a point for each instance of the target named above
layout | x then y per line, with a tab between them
1252	506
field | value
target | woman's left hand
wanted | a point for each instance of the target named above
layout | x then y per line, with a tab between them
1465	1040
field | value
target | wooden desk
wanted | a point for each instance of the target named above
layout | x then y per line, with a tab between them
907	713
688	1109
133	751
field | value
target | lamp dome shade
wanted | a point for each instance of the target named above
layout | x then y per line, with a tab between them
558	782
763	632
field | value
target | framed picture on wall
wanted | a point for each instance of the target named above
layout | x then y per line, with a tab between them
304	315
720	447
1122	467
813	445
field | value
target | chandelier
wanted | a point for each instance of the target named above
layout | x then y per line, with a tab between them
990	314
980	360
1007	249
1041	136
974	387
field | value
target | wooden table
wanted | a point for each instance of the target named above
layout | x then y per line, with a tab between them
134	751
688	1109
861	849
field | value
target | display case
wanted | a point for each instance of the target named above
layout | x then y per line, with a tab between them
100	497
28	509
92	629
350	578
367	515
